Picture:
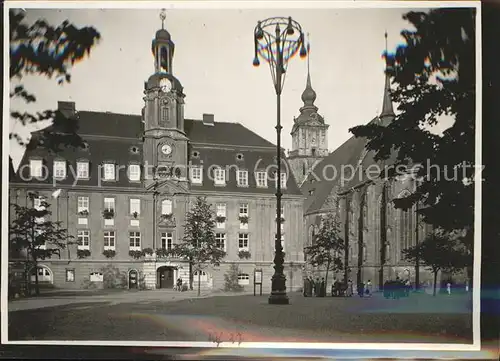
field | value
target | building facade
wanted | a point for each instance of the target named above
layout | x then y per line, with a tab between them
130	187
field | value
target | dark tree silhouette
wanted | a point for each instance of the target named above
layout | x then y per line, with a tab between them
49	51
437	252
440	49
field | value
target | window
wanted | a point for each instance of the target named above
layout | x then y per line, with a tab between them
243	209
243	279
70	275
36	168
109	204
135	206
83	237
135	241
261	179
109	171
83	204
220	241
37	203
283	180
167	240
196	175
202	274
220	176
82	170
166	206
242	176
109	240
242	241
60	169
221	212
164	114
134	172
96	277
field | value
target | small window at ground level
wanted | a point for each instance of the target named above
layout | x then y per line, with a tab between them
96	277
70	275
243	279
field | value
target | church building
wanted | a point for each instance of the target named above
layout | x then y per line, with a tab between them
131	186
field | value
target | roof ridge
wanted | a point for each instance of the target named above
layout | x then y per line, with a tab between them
107	112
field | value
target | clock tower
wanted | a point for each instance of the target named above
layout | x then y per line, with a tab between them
165	142
309	136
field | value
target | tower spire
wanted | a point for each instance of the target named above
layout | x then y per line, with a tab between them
387	108
308	61
163	16
309	95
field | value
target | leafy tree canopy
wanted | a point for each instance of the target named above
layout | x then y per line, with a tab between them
43	49
433	76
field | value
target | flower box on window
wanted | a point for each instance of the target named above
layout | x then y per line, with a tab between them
83	213
148	251
244	254
108	213
109	253
83	253
135	214
244	219
167	217
220	219
136	254
164	253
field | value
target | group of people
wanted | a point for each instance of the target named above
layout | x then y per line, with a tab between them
178	284
313	287
365	289
341	289
397	288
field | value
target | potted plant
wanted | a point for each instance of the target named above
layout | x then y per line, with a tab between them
244	254
136	254
244	219
135	214
82	253
109	253
83	213
108	213
220	219
148	251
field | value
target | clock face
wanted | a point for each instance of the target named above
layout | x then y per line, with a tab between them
166	149
165	85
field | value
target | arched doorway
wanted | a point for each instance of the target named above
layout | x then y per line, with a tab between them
132	279
44	275
165	277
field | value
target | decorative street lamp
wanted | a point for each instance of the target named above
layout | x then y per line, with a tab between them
277	40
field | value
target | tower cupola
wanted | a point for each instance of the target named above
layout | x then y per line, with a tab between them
163	48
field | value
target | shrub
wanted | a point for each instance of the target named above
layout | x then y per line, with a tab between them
113	277
88	284
231	279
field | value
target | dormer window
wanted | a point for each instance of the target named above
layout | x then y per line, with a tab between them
261	179
239	156
283	180
82	169
134	150
220	176
109	171
195	154
59	169
36	168
242	178
196	175
134	172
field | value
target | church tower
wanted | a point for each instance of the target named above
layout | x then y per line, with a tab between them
165	142
309	135
387	115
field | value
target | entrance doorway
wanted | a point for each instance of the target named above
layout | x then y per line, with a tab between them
165	277
132	279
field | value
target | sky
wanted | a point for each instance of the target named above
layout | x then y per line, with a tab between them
213	61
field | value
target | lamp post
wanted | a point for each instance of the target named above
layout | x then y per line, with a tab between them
277	40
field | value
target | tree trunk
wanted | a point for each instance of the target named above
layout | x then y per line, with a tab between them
199	283
326	276
37	287
190	275
435	281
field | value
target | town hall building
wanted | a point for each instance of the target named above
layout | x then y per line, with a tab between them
129	190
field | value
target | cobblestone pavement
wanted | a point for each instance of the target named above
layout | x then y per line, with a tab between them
245	318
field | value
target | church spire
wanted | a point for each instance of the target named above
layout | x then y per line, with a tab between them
387	108
309	95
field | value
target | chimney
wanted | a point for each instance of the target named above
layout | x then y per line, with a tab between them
208	119
66	108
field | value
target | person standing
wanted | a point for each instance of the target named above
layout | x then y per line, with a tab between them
361	289
323	287
306	286
368	290
349	290
448	288
317	287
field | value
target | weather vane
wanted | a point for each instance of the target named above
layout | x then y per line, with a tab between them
163	15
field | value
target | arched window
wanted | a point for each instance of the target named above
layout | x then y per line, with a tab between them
365	211
44	275
243	279
203	276
311	235
405	225
387	251
166	206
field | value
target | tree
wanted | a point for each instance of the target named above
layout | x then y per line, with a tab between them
327	246
434	76
438	252
50	51
199	246
32	232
